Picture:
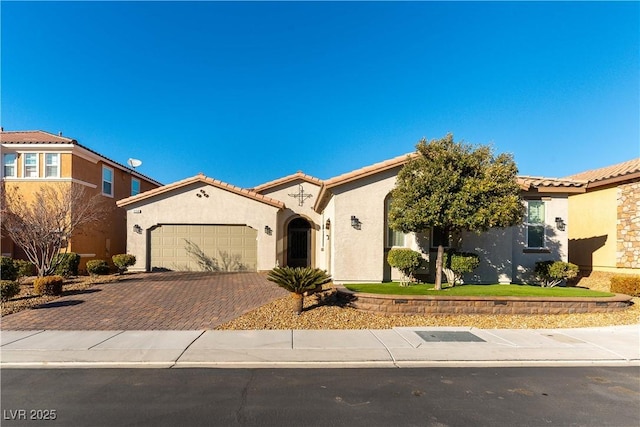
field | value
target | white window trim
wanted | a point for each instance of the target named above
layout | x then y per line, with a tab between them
24	165
544	226
139	186
102	181
58	165
14	164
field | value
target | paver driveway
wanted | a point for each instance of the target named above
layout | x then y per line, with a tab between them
160	301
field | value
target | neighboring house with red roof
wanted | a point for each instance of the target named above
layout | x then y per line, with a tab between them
604	233
337	224
31	159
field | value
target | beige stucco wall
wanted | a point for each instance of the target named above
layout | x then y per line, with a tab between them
592	229
504	257
293	210
358	254
182	206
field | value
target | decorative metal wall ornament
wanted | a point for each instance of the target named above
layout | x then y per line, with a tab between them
301	195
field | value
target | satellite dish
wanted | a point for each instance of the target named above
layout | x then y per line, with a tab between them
134	163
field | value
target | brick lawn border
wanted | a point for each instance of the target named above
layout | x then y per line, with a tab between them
424	304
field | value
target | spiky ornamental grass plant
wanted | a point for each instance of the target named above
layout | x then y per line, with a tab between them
298	281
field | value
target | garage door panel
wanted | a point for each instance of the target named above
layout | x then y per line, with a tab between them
204	247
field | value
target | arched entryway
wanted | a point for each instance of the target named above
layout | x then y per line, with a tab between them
298	243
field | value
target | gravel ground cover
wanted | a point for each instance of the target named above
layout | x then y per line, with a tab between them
27	299
321	312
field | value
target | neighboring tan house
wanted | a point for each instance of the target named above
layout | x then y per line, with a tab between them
31	159
338	225
605	220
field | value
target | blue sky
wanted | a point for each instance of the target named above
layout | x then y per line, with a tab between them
247	92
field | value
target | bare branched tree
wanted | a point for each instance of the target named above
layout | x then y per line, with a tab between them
43	223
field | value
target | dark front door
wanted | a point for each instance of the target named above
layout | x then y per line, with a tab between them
298	243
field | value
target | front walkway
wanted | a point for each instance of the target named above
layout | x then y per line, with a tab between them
153	301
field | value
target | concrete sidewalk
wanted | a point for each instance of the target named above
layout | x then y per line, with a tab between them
398	347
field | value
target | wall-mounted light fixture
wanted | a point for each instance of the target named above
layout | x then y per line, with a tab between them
560	225
355	222
267	230
137	229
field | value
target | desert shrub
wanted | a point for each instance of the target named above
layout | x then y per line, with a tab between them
25	268
67	264
8	289
552	273
405	260
98	267
300	281
122	261
455	264
48	285
626	284
8	269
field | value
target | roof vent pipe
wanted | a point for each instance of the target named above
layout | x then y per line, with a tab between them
60	133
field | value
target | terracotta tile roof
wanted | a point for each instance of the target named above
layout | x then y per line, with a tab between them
369	170
204	179
284	180
366	171
610	174
34	137
563	185
37	137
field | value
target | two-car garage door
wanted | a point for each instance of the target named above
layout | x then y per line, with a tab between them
204	248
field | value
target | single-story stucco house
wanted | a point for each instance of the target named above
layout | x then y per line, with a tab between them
337	224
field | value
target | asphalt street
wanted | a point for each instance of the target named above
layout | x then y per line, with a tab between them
437	397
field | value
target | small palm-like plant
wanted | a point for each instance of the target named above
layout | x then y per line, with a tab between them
299	281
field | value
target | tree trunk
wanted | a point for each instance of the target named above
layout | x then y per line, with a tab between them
439	268
298	303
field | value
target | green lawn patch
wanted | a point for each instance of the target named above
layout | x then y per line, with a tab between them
394	288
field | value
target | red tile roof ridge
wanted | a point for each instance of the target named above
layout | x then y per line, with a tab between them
286	179
208	180
371	169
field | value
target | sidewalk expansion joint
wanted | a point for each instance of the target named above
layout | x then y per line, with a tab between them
105	340
186	348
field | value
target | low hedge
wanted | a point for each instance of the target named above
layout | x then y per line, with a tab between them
8	289
25	268
8	270
67	264
48	285
123	261
98	267
626	284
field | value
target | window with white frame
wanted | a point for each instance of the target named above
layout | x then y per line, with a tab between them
30	165
9	163
135	186
52	165
535	224
394	237
107	181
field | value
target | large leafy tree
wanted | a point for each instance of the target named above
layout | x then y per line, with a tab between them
454	186
43	223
